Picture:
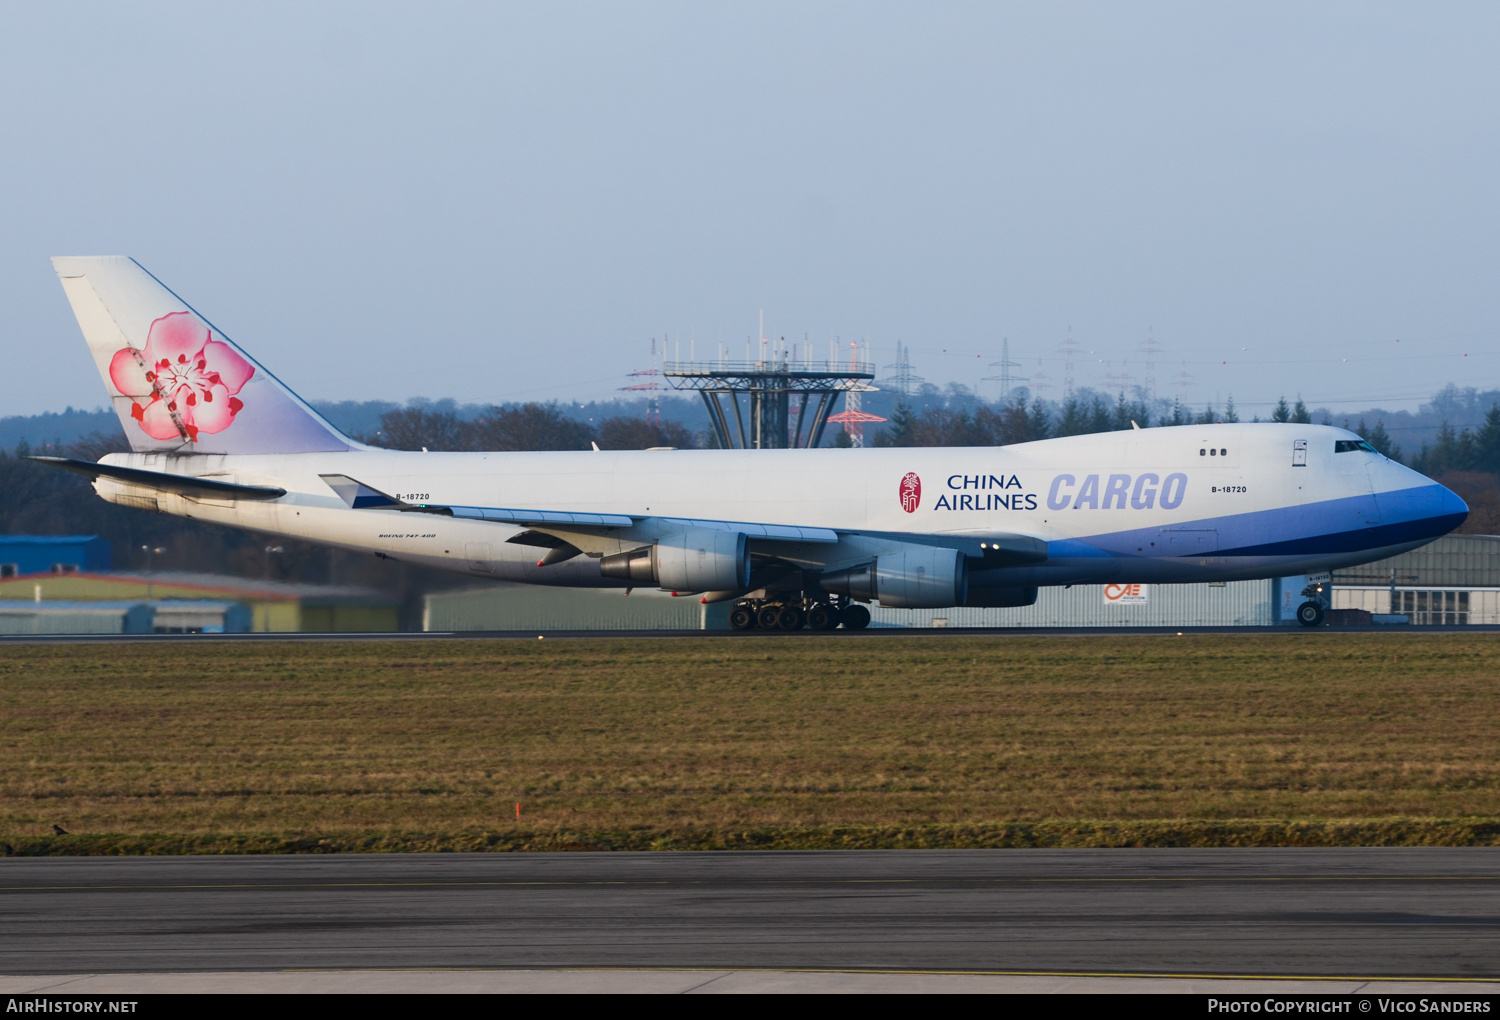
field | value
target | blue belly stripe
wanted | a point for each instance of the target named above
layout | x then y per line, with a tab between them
1330	526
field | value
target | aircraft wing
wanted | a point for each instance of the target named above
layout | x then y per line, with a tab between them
163	481
364	497
990	548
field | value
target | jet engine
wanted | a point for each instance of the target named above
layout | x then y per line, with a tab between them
699	559
911	577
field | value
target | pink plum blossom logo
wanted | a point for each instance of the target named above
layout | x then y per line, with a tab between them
183	382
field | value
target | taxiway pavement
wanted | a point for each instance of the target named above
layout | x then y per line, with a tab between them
1262	913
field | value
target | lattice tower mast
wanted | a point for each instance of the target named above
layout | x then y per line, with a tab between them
1069	350
651	388
854	417
1150	349
1005	379
904	378
1184	380
1041	382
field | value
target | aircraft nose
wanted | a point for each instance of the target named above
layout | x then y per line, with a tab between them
1453	506
1426	510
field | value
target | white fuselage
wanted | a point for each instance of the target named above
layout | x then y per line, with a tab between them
1141	506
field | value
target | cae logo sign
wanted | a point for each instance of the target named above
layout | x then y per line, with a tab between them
1115	594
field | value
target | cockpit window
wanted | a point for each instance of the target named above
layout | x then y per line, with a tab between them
1350	445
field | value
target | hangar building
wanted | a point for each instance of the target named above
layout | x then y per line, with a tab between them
274	606
1453	581
1458	571
52	554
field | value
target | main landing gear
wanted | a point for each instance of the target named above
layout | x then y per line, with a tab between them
793	613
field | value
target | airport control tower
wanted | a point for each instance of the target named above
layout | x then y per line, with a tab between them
760	395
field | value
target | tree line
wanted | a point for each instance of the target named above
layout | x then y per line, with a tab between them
536	426
530	426
1463	450
1018	421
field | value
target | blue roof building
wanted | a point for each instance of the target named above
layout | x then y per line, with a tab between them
52	554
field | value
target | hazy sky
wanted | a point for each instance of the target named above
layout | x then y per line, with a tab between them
504	202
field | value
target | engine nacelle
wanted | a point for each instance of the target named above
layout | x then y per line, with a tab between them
699	559
912	577
1001	598
703	559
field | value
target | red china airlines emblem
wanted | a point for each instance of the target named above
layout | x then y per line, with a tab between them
911	492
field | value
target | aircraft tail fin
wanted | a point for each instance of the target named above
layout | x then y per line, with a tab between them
177	383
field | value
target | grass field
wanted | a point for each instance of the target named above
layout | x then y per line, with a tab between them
942	740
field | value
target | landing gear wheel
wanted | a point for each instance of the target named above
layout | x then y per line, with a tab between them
790	618
742	618
769	617
1310	614
821	617
855	617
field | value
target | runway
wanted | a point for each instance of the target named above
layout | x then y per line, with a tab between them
891	633
1346	915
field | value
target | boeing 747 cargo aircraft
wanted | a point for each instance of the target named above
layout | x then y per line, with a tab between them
795	537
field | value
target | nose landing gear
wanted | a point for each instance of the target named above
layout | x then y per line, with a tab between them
1310	614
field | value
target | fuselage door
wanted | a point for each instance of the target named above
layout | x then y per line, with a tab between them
479	557
1299	453
1189	541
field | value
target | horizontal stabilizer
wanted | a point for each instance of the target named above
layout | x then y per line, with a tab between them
161	481
361	496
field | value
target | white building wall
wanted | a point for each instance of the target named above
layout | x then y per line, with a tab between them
533	607
45	618
522	607
1483	603
1236	604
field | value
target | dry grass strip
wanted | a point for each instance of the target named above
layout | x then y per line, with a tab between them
1256	739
